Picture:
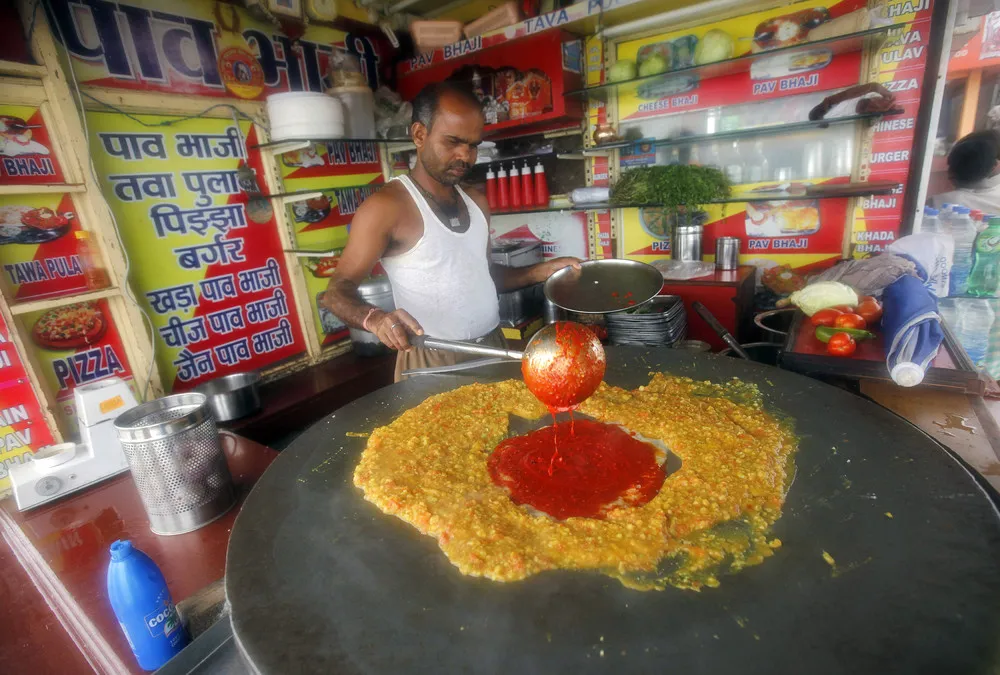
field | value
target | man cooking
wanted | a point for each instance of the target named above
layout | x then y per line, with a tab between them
433	240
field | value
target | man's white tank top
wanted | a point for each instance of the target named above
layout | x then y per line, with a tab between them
444	280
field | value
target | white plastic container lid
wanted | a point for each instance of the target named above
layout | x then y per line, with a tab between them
907	374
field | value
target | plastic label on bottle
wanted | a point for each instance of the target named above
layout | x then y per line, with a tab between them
162	622
987	244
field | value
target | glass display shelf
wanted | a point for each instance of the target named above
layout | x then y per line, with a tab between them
748	132
299	195
652	87
836	191
293	144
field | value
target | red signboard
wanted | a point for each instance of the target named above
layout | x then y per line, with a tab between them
692	94
26	155
75	345
22	424
38	246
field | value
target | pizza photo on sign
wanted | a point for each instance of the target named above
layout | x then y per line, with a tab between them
70	327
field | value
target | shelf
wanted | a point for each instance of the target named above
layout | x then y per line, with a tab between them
310	253
49	303
529	155
302	195
18	69
271	144
290	145
42	189
836	45
841	191
750	132
582	18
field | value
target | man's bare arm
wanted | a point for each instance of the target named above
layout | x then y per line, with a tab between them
371	236
512	278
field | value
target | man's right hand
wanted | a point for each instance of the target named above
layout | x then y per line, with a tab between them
394	328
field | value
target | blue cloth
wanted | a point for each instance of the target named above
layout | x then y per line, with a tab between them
910	323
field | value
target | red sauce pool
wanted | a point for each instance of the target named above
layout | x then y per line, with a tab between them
596	465
573	374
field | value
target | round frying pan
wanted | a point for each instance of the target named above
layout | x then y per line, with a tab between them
603	286
320	581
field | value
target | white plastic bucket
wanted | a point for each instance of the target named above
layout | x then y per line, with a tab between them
359	109
305	115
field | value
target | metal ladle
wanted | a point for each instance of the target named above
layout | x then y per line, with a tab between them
562	364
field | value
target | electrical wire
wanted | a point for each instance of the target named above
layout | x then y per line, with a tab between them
236	112
31	24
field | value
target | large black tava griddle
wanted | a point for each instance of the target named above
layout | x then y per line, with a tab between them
320	581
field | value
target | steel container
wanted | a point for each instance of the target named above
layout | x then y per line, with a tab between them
172	447
686	245
727	253
233	396
377	292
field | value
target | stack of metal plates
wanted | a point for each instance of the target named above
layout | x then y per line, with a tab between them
660	322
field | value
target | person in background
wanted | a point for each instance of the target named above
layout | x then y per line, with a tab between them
974	169
433	240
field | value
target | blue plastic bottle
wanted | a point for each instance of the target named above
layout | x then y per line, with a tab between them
141	600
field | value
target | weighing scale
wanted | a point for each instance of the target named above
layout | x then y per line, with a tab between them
58	470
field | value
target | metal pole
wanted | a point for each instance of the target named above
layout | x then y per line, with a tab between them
940	52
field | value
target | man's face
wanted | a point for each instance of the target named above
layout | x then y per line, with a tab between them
448	149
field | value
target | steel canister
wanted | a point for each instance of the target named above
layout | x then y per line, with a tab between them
727	253
686	245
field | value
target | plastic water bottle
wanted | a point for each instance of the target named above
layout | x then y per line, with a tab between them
964	234
142	604
985	275
977	219
949	312
930	222
974	320
944	215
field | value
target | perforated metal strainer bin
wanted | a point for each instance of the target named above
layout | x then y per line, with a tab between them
177	462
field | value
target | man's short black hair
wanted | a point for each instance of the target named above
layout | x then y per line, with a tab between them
974	157
425	105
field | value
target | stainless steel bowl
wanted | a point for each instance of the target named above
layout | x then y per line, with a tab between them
233	396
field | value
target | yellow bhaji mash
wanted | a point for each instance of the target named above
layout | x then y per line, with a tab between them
429	468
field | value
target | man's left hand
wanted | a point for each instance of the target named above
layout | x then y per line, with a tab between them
550	267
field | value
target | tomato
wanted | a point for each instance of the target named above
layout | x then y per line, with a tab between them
850	320
870	309
825	317
841	344
845	309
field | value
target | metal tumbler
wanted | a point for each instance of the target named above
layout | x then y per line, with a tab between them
686	245
727	253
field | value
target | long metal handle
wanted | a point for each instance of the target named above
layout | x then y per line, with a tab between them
464	347
720	330
458	367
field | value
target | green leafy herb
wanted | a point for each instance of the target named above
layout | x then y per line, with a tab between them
672	186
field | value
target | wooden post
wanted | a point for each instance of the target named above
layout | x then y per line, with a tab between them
273	185
970	105
95	212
